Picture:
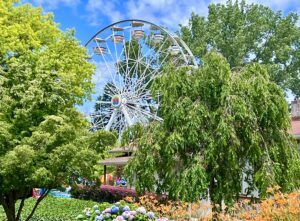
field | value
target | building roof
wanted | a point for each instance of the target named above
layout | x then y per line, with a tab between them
117	161
125	149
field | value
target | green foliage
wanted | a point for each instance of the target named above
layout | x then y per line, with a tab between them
54	209
246	33
132	133
43	75
217	124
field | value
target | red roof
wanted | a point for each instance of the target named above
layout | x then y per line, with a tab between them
295	126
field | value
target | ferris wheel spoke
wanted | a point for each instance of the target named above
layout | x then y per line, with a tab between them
116	53
109	91
147	113
126	54
137	62
110	122
103	102
151	75
109	70
156	53
115	76
123	73
145	85
143	57
138	117
143	104
127	116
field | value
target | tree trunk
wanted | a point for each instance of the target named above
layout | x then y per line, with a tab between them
8	203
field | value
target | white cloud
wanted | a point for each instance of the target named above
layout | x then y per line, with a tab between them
96	9
282	5
168	13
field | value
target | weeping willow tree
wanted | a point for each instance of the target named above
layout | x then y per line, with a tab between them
218	125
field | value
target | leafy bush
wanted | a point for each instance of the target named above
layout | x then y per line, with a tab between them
161	205
119	211
53	209
105	193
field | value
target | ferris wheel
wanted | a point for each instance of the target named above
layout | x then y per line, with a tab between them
129	55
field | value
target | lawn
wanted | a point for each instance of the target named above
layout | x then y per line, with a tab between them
53	209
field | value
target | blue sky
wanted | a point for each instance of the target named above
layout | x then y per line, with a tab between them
88	16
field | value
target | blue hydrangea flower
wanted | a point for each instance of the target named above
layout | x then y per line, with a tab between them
125	208
107	210
99	218
126	214
150	215
97	212
119	218
114	209
88	214
133	213
141	210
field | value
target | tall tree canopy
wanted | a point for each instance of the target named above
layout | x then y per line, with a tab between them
249	33
43	75
218	125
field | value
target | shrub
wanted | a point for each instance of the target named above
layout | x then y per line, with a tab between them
53	209
161	205
118	212
105	193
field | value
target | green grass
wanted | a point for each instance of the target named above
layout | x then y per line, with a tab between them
53	209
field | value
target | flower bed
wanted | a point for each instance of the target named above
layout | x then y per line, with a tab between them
161	205
118	212
278	206
105	193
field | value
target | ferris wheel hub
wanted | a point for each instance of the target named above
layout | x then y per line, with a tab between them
116	101
124	100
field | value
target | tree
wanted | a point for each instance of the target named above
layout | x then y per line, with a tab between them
246	34
43	138
218	125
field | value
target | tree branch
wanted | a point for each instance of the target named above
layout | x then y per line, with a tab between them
20	209
36	204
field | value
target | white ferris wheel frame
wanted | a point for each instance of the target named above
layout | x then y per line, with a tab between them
130	91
